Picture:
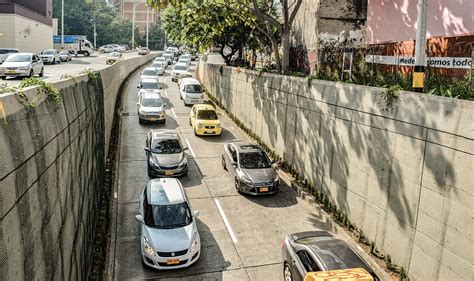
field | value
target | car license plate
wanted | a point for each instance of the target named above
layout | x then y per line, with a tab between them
209	132
263	189
153	119
168	173
11	71
172	261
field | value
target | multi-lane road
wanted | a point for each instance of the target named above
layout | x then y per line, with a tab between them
53	72
241	236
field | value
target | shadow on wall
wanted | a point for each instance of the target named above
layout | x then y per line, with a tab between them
370	162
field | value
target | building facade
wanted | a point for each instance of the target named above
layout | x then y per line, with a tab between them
26	25
125	10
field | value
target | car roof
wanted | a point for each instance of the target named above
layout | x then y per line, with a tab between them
181	64
165	191
204	107
190	81
148	80
164	134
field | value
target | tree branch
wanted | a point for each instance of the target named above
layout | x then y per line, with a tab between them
262	15
294	12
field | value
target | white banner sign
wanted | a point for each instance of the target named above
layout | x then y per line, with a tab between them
445	62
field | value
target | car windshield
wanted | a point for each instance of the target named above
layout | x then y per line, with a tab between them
157	65
254	160
64	53
206	115
144	49
167	216
160	59
167	146
149	72
193	89
180	67
47	52
150	85
18	58
152	102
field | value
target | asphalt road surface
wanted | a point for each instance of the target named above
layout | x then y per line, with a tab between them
54	72
248	247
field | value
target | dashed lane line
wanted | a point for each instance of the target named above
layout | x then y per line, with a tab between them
226	222
190	148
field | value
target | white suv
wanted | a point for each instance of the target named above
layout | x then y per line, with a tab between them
169	235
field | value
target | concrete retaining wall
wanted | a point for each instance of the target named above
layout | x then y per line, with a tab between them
51	175
404	177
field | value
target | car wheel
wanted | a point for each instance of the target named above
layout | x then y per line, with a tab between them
287	273
31	73
149	172
41	74
4	77
237	186
140	121
190	124
102	51
223	163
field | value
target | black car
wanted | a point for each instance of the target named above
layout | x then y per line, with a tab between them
165	154
318	251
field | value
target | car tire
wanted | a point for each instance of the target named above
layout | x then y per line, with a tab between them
86	54
140	121
287	276
102	51
41	74
223	163
237	186
4	77
31	73
149	172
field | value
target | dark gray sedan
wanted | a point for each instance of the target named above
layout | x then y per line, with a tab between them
318	251
251	168
165	154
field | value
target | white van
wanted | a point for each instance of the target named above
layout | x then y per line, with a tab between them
190	91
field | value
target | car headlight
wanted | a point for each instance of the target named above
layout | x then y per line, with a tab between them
276	179
218	125
142	112
2	68
147	247
184	162
153	162
200	125
24	67
195	243
246	180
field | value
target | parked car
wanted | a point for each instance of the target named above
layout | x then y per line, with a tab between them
169	235
5	52
22	64
144	51
177	70
50	56
65	56
203	118
151	108
312	251
108	49
251	168
169	58
165	154
190	91
149	73
160	67
185	61
114	57
125	47
118	48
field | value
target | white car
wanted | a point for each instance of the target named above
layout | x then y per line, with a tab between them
185	60
169	235
65	56
175	50
160	67
151	108
148	85
22	64
149	73
50	56
177	70
169	58
108	49
162	60
190	91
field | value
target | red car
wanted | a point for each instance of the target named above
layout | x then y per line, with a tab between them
144	51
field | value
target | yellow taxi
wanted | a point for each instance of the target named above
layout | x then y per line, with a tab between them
350	274
203	118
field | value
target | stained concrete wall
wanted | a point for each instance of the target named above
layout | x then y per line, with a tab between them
404	177
51	175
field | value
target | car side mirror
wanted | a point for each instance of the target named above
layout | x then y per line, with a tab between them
147	149
138	104
196	214
139	218
165	105
138	86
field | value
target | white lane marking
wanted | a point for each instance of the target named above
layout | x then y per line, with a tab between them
115	195
226	222
190	148
174	114
166	93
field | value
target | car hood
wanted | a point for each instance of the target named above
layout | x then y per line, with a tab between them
112	58
170	240
168	159
260	175
148	77
151	109
15	64
46	56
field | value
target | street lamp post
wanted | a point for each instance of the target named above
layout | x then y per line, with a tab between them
62	24
147	25
133	25
420	48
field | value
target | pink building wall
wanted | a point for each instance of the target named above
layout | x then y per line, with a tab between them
395	20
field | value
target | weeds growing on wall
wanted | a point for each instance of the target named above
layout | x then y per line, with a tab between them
43	87
91	73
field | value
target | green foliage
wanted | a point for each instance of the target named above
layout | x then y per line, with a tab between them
389	97
44	88
452	88
91	73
